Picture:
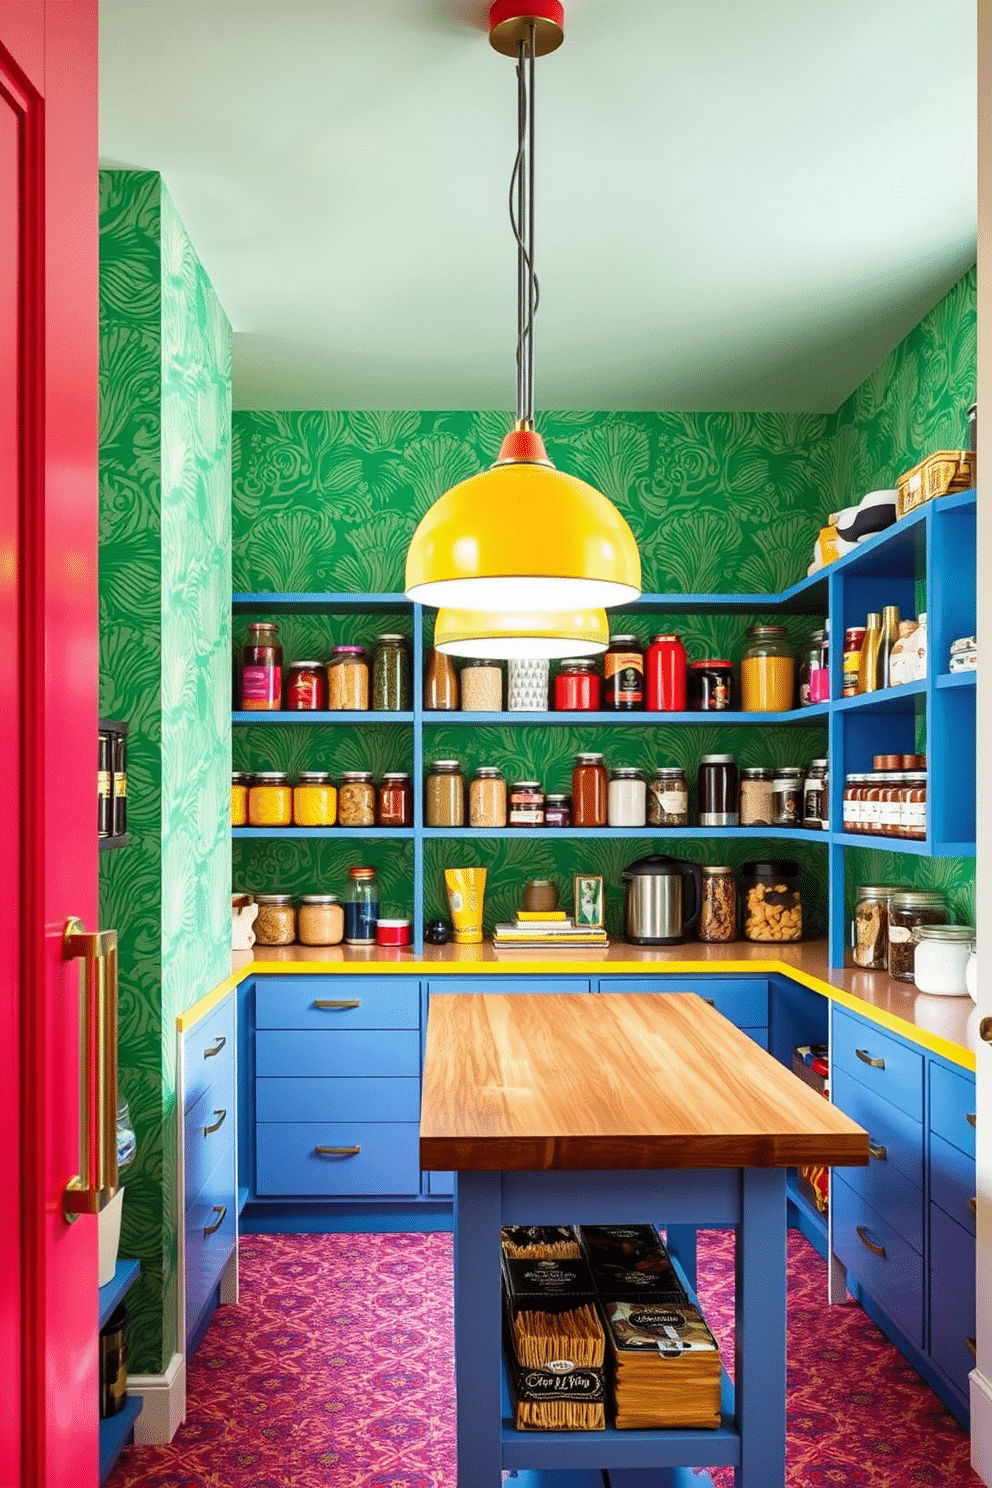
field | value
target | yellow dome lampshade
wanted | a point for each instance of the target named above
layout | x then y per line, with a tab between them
524	537
514	634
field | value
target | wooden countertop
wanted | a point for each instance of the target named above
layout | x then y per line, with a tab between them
507	1086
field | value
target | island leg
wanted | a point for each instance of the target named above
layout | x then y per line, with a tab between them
682	1240
760	1340
478	1330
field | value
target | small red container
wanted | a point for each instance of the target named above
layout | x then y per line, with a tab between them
577	687
306	687
394	932
665	665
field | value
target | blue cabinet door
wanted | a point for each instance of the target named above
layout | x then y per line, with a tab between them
330	1003
878	1257
881	1061
337	1159
952	1299
293	1053
952	1106
952	1182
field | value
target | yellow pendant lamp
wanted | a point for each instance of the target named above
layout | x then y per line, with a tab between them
515	634
523	537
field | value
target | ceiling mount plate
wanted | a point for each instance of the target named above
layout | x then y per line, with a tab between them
510	22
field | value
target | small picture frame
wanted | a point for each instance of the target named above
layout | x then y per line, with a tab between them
590	907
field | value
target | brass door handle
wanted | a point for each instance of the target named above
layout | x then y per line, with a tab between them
985	1030
973	1206
878	1250
972	1346
866	1058
95	1185
221	1212
337	1151
221	1041
881	1153
971	1118
329	1002
221	1115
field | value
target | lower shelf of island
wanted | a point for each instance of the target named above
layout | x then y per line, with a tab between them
116	1431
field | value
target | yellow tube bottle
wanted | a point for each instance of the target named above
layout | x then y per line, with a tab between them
466	888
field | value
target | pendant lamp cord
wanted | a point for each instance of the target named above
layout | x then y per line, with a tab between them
522	223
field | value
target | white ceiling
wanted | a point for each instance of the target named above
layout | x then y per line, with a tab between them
741	204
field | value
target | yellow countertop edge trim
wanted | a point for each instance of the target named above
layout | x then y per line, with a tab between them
209	1001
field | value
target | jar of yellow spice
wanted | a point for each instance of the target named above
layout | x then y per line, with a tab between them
768	671
315	800
239	800
270	800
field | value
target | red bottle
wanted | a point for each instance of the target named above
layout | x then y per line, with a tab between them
665	665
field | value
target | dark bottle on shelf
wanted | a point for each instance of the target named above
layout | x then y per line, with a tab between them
103	804
120	784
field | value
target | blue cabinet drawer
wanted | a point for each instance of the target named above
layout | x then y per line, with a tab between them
338	1100
876	1256
506	984
744	1001
211	1221
892	1183
208	1053
952	1182
390	1051
878	1060
440	1185
208	1129
336	1002
288	1159
952	1102
952	1299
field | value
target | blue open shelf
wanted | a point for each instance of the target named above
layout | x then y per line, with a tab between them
817	713
117	1288
282	715
116	1432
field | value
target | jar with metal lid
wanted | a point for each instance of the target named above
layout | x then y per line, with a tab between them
914	811
395	805
768	670
668	798
356	799
306	687
348	679
361	907
444	796
320	921
589	791
540	896
261	669
870	927
626	804
440	683
577	687
557	811
391	691
941	964
852	803
787	796
870	800
665	669
814	674
772	902
623	674
711	686
757	798
487	798
815	796
526	804
908	911
891	800
239	800
315	800
482	685
270	800
718	910
718	791
275	924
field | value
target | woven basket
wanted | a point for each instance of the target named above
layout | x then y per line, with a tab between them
938	475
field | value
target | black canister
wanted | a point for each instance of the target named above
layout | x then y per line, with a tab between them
104	813
120	784
113	1364
718	791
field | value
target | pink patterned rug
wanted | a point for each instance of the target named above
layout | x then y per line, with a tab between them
336	1372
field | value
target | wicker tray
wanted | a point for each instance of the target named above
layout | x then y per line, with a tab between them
938	475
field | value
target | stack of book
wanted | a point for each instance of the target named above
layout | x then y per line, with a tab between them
548	928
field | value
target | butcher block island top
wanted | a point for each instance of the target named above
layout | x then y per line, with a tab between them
631	1080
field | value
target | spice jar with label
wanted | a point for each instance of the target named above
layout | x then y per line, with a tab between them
320	921
589	791
623	674
315	800
348	679
853	640
907	912
668	798
356	799
852	805
239	800
870	926
391	675
557	811
772	902
711	686
306	687
914	812
526	804
626	799
361	907
261	669
665	674
440	683
718	791
444	796
395	805
270	800
787	793
119	756
577	687
482	685
816	796
718	909
757	798
275	924
487	798
768	671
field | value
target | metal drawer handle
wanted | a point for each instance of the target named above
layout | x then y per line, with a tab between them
970	1118
337	1151
221	1041
973	1206
878	1250
709	1001
328	1002
972	1346
221	1211
882	1153
221	1115
866	1058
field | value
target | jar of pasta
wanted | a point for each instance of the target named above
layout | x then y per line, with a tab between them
487	798
276	921
444	795
768	671
320	921
239	800
315	800
348	679
396	799
270	800
356	799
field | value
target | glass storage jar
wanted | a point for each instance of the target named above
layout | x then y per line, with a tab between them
356	799
270	800
320	921
589	791
557	811
444	795
361	907
814	674
391	675
665	674
711	686
853	786
348	680
757	798
908	911
718	910
772	906
440	683
768	671
941	961
787	796
306	687
315	800
623	674
275	924
668	798
718	791
870	927
526	804
482	685
626	802
261	669
577	687
487	798
815	796
239	800
395	806
914	811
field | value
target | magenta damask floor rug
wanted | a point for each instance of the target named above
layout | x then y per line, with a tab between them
336	1372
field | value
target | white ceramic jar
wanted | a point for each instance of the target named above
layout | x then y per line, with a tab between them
627	799
527	685
941	961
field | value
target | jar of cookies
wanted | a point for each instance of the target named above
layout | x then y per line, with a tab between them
771	903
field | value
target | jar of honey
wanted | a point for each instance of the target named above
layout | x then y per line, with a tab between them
395	799
239	800
315	800
270	800
768	671
589	791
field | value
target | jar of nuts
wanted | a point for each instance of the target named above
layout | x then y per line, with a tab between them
718	912
772	903
276	922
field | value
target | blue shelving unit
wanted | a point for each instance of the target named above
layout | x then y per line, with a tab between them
933	548
117	1288
116	1431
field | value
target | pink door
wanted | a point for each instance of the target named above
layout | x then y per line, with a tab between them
48	724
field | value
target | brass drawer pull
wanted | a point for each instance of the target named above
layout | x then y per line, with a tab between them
221	1115
709	1002
973	1206
866	1058
221	1041
970	1118
329	1002
95	1184
878	1250
221	1211
337	1151
882	1153
972	1347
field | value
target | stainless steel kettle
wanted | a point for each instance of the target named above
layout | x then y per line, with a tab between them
653	905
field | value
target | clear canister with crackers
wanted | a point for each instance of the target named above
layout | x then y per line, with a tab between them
771	902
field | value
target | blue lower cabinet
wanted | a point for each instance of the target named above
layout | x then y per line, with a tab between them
881	1062
344	1099
333	1002
337	1159
292	1053
440	1185
952	1106
892	1183
952	1299
879	1259
952	1182
513	983
211	1229
743	1000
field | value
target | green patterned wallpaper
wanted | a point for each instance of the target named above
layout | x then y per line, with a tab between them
165	667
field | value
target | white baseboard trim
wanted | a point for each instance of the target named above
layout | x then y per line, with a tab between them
163	1407
981	1425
